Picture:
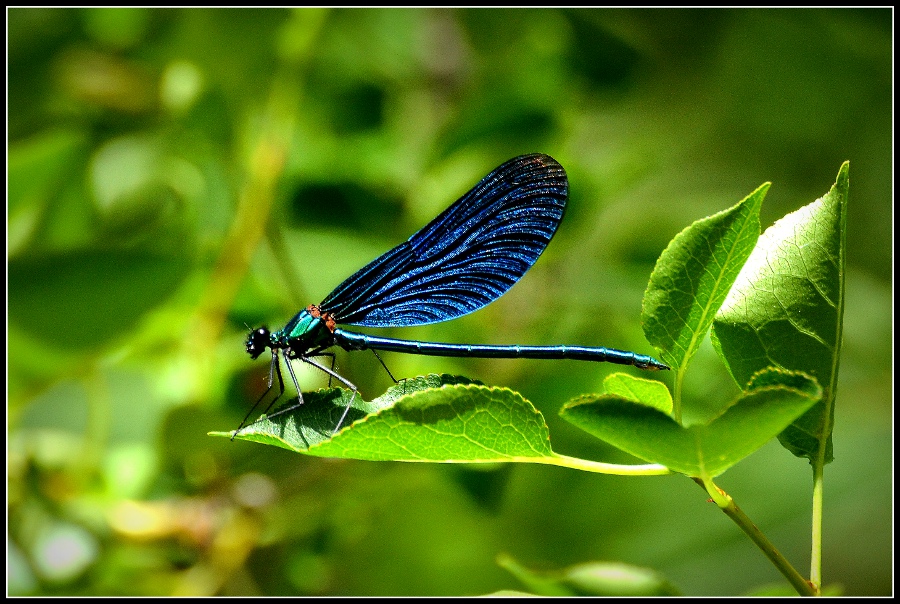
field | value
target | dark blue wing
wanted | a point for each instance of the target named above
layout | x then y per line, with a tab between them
465	258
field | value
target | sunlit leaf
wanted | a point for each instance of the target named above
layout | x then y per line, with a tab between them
693	276
436	418
786	310
591	579
703	450
648	392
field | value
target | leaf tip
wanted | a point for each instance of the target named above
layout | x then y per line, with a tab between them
843	177
763	188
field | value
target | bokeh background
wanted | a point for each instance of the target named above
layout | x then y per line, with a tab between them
175	176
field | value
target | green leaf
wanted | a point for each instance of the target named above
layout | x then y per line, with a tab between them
693	275
617	579
591	579
37	169
436	418
640	390
540	583
701	450
786	310
81	299
297	428
452	423
308	424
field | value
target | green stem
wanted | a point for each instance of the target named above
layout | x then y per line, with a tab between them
599	466
676	393
564	461
293	282
815	569
727	505
96	435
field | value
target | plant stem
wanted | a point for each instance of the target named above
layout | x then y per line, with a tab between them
727	505
599	466
815	568
676	393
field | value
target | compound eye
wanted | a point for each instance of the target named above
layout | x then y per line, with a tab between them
257	342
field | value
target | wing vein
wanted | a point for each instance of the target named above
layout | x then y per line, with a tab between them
465	258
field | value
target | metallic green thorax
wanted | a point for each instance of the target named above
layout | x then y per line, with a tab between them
309	333
302	333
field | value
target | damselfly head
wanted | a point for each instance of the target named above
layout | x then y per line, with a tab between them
257	341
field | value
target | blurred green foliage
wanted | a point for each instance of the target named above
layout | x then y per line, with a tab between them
176	174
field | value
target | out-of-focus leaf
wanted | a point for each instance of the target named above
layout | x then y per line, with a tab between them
616	579
86	298
37	167
592	579
542	584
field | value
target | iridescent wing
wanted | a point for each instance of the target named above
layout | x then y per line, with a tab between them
467	257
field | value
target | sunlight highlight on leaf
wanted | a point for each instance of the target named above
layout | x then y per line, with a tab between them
693	276
786	309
